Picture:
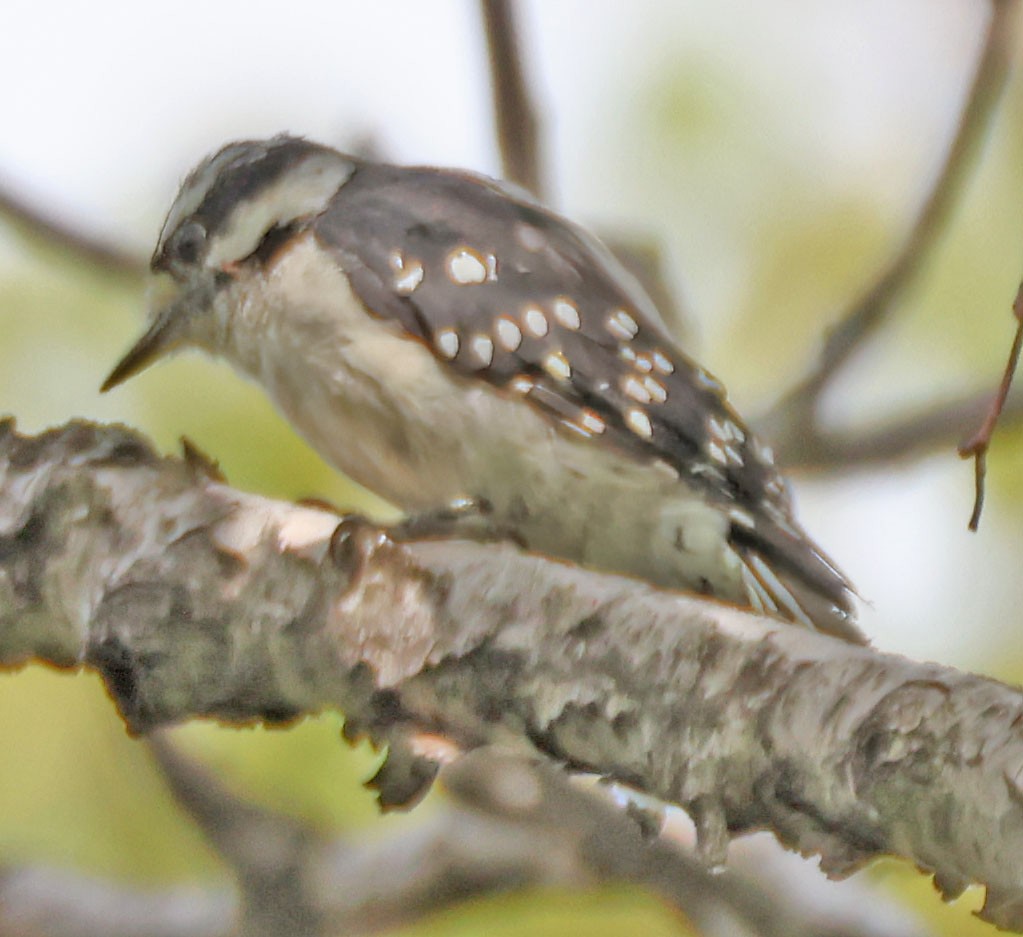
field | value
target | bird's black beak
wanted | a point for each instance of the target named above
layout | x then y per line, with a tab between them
143	353
163	335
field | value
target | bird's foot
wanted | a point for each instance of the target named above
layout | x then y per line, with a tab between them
463	519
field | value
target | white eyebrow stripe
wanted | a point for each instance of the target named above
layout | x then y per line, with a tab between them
195	188
304	190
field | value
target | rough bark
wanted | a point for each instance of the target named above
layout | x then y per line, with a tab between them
192	599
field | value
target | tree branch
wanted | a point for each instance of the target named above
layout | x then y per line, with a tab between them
516	124
506	823
36	224
269	853
976	447
192	599
60	903
796	412
901	438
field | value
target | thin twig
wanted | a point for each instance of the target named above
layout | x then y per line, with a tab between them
871	310
899	439
977	445
37	224
515	117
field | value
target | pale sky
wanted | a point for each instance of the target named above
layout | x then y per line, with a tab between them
108	103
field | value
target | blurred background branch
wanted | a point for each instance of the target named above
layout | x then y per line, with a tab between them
895	439
268	852
517	125
504	824
797	413
51	231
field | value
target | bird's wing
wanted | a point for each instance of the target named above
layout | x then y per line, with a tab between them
506	291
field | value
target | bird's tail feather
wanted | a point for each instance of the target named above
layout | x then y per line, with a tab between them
786	575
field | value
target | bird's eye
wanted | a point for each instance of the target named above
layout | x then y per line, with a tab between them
188	243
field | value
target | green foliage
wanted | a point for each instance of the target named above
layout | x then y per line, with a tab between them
78	792
302	770
610	912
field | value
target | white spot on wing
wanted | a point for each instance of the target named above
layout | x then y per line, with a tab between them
763	453
447	342
556	365
638	422
483	349
724	434
662	363
592	422
716	453
622	325
634	389
408	274
566	313
491	268
734	431
521	384
466	266
529	237
508	333
706	470
656	389
536	322
708	382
